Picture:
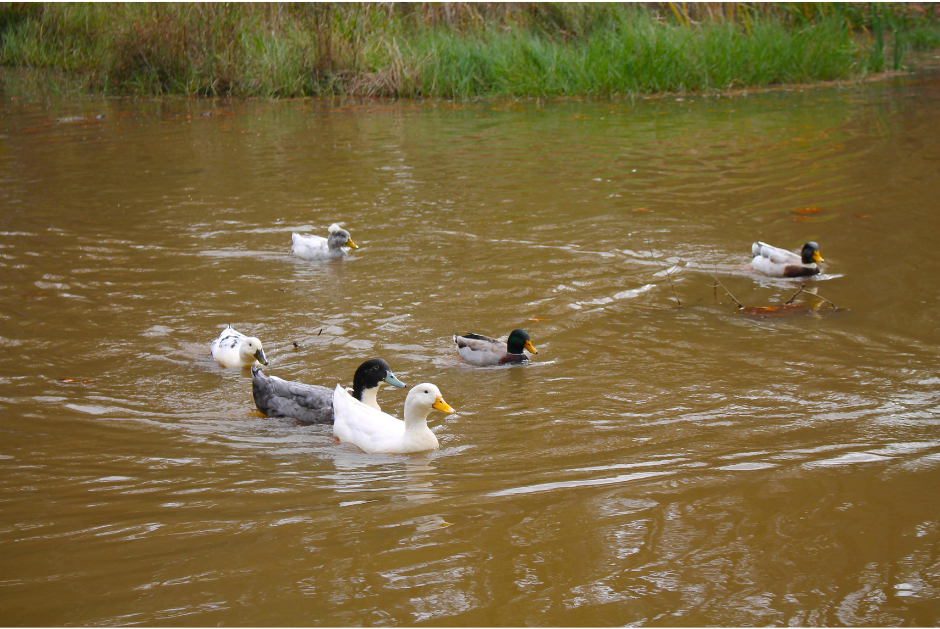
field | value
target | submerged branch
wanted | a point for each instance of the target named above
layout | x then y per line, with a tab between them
790	301
718	283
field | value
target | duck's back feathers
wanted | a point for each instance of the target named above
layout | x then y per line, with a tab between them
480	350
307	403
774	254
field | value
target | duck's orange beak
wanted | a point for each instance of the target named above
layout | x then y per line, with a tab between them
442	406
817	257
529	346
351	244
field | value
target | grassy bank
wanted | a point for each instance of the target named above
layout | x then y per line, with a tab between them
458	49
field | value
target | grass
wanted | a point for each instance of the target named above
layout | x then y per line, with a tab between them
636	56
460	50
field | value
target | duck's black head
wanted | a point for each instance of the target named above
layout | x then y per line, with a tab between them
371	374
518	341
810	253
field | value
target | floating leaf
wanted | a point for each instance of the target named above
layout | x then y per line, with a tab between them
783	310
807	210
74	381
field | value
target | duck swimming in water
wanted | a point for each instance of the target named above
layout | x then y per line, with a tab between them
234	349
778	262
484	351
320	248
313	404
376	432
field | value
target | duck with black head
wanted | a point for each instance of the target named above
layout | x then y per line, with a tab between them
485	351
777	262
313	404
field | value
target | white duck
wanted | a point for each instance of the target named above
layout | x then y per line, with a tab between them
778	262
234	349
375	432
319	248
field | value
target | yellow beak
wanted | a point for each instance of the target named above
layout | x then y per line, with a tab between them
351	244
442	406
529	346
817	257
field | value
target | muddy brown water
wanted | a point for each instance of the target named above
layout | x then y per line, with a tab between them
653	464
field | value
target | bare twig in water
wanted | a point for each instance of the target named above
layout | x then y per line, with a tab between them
668	274
803	286
827	301
790	301
718	283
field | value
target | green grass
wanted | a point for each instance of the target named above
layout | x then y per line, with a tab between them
635	56
458	50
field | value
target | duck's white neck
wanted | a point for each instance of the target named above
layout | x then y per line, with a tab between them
370	397
416	413
417	434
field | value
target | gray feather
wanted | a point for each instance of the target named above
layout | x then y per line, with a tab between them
307	403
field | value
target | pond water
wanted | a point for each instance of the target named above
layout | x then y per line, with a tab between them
654	464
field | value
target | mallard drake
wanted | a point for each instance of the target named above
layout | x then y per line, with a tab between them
484	351
376	432
234	349
778	262
313	404
319	248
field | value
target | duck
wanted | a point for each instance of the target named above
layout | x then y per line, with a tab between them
320	248
778	262
376	432
311	403
234	349
484	351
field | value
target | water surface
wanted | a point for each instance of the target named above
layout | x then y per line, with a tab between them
655	464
